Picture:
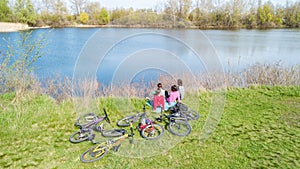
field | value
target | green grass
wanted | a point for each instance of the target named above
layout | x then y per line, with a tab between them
260	128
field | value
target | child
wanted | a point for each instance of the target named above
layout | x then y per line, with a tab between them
158	92
174	96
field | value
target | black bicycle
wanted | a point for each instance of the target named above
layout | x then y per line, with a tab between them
177	125
88	123
184	111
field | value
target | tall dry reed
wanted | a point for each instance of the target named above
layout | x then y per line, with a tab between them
258	74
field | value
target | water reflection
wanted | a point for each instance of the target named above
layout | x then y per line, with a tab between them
236	49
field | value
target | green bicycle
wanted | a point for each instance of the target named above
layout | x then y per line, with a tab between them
99	151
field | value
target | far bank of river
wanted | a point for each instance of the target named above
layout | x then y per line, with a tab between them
14	27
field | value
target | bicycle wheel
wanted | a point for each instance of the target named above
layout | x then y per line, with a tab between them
113	133
125	122
191	114
152	132
93	154
78	137
179	127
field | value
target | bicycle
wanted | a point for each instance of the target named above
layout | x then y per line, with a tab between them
182	110
177	125
190	114
147	128
99	151
85	132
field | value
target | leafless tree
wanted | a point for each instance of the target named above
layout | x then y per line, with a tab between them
92	8
180	8
59	7
45	6
78	5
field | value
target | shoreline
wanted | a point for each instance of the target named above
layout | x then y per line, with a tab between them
15	27
12	27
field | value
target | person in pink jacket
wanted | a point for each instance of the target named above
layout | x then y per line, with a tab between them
174	96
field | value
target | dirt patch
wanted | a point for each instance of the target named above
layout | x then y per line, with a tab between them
12	27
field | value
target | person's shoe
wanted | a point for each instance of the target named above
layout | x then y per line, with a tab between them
148	104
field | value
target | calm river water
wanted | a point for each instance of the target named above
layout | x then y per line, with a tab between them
115	52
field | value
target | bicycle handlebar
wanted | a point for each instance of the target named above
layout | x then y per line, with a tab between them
130	136
78	125
131	129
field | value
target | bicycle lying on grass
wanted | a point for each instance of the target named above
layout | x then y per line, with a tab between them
177	125
87	128
147	128
184	111
177	121
99	151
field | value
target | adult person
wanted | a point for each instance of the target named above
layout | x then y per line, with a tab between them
180	88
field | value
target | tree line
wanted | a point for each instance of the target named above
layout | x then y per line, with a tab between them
170	13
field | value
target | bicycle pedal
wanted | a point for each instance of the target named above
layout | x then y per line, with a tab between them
91	137
116	148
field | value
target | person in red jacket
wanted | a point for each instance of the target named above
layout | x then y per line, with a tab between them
161	96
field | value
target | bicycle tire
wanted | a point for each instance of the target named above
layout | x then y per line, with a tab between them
113	133
151	134
76	138
125	122
94	156
191	114
180	128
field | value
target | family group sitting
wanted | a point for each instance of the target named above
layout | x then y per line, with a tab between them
163	100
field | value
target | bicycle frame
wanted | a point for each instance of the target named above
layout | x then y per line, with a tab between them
93	122
88	125
101	149
142	126
138	116
146	127
144	115
110	143
171	117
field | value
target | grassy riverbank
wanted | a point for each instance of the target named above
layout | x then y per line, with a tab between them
259	129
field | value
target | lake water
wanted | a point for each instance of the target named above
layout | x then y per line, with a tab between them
127	54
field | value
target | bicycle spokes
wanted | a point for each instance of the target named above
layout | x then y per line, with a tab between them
180	128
